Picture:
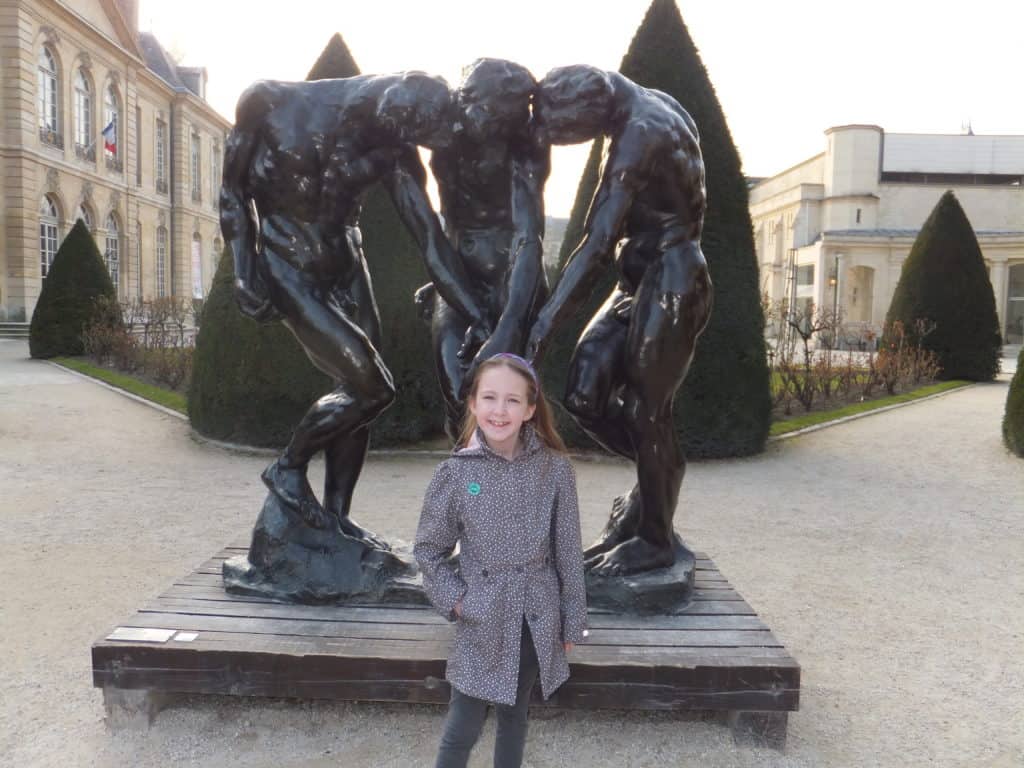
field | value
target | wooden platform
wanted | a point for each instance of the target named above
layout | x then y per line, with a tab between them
717	656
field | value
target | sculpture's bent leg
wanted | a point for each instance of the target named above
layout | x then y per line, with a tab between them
344	462
339	347
670	310
594	385
593	397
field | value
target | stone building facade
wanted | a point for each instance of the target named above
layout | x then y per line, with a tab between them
835	229
98	122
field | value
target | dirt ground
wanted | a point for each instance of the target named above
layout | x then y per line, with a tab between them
887	553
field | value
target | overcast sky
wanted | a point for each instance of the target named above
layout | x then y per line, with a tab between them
784	71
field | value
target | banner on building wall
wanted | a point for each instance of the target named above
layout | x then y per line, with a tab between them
197	270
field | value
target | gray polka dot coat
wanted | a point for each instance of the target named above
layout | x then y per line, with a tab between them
518	530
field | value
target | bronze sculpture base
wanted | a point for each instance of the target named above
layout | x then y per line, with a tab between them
291	561
661	591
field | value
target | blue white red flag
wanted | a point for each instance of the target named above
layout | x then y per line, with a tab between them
110	137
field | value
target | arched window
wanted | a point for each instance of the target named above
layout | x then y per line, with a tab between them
112	252
49	100
197	266
161	262
138	261
112	128
47	234
85	147
85	214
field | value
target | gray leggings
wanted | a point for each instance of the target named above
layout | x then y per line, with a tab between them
466	717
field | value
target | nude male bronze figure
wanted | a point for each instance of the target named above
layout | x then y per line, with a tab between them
491	184
646	218
296	164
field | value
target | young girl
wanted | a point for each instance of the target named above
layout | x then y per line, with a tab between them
507	496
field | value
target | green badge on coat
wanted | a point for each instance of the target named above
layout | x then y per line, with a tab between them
474	489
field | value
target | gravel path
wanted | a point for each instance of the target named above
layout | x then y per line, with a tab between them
886	553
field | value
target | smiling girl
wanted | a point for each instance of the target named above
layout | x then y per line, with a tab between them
507	497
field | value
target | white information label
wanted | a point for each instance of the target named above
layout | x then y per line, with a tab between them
142	634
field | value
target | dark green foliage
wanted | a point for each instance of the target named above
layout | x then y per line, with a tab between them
251	382
724	406
397	270
1013	420
335	61
944	281
68	301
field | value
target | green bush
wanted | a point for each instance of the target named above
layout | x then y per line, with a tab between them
944	281
76	290
1013	420
251	382
724	405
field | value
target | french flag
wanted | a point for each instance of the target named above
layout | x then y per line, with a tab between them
110	137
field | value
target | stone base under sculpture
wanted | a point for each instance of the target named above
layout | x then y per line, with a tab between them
661	591
291	561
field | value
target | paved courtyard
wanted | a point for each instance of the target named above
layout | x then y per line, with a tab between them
887	553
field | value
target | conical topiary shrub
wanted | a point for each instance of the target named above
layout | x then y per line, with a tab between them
724	405
67	303
251	382
944	282
1013	419
335	61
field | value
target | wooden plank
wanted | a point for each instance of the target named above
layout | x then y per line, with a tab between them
713	591
667	638
207	669
384	614
730	603
637	662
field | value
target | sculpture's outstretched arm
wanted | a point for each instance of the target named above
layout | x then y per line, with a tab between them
602	229
526	282
407	186
237	217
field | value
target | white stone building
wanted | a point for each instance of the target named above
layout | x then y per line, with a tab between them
836	228
98	122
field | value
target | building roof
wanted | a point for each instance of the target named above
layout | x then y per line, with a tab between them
913	232
945	153
160	62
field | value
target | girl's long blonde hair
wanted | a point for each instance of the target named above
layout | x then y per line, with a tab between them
543	420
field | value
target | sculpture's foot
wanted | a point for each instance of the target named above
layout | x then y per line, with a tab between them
292	487
351	528
634	555
621	525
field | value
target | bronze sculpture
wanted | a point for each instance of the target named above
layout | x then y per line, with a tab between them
296	164
490	179
646	214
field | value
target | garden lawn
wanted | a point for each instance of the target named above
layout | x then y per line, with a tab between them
165	397
820	417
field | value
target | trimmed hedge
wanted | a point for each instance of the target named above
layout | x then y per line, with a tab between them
1013	419
724	405
944	280
251	382
67	303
